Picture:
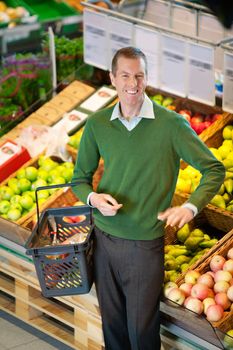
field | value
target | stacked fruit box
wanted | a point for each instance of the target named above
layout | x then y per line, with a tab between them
205	293
189	246
17	192
220	210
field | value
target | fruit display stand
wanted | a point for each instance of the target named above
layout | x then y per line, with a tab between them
198	324
218	217
199	255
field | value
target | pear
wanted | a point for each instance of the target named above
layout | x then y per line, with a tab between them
206	237
184	267
224	151
229	185
221	190
230	208
226	197
181	259
170	264
192	243
228	163
174	276
229	174
183	233
227	132
208	244
197	232
218	201
216	153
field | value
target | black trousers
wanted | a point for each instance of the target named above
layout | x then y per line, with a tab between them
128	277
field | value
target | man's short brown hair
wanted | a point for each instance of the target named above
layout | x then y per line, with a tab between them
128	52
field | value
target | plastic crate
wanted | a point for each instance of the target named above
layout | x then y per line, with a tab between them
63	269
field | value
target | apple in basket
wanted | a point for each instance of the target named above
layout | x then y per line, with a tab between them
74	219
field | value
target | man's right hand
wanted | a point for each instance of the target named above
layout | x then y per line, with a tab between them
105	203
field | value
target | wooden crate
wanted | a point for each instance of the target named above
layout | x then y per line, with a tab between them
203	267
200	221
75	320
220	218
55	200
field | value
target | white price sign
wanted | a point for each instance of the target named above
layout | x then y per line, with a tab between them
120	35
173	65
201	85
228	83
95	39
148	41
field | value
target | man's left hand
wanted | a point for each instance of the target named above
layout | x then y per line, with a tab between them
176	216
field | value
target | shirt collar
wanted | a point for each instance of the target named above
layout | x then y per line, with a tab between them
146	111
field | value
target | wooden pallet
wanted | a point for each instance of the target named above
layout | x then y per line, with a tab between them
73	320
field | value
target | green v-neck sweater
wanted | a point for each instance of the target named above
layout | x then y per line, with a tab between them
141	168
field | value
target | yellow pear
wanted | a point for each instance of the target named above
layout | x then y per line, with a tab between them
183	233
218	201
227	132
216	153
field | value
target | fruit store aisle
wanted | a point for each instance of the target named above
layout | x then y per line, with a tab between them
17	335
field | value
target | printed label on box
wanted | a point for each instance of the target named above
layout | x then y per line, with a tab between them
99	99
7	151
71	120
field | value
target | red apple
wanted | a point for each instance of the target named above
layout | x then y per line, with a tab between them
214	313
176	295
228	266
217	262
230	293
197	118
168	287
211	273
206	279
207	302
186	288
230	253
192	276
200	291
211	293
194	305
222	276
223	300
207	123
221	286
186	114
216	117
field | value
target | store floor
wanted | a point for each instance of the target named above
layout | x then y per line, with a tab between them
18	335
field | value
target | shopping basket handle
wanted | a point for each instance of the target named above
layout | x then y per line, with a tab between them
69	184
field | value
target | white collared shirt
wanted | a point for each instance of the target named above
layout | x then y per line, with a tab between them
146	111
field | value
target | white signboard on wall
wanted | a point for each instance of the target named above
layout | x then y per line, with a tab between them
96	47
148	41
228	83
120	34
201	86
173	65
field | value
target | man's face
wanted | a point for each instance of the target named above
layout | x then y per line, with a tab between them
130	81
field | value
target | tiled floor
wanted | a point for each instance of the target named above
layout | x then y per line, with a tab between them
17	335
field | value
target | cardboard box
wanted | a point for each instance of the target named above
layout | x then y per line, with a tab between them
12	157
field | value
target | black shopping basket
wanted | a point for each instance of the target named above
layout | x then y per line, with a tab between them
62	269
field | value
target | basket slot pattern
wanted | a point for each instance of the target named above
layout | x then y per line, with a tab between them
66	232
62	275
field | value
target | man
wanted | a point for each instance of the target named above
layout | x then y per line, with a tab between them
141	144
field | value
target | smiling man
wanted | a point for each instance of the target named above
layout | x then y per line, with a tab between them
141	144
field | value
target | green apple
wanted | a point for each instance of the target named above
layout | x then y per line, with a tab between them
53	174
20	173
38	183
32	194
31	173
4	206
15	199
26	201
48	164
59	180
24	184
14	214
69	165
6	192
16	206
42	174
41	160
12	181
60	168
43	194
67	174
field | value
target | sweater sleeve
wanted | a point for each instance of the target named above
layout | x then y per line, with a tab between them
86	163
194	152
